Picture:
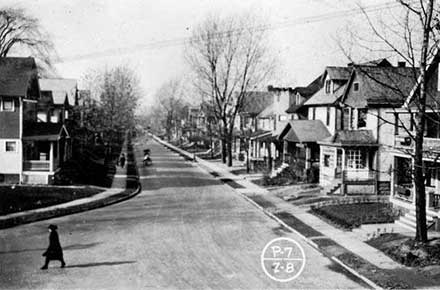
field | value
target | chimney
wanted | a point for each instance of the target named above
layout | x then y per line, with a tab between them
401	64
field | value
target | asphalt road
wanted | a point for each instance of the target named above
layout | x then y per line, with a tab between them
185	230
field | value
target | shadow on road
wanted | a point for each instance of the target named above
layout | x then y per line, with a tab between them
100	264
66	248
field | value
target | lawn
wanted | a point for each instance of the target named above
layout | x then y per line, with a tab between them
406	251
21	198
353	215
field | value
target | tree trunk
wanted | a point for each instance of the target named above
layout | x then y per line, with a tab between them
419	178
223	145
229	150
419	183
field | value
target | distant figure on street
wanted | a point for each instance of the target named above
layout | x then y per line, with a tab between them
122	160
54	251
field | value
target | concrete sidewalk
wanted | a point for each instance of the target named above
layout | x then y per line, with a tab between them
116	193
346	239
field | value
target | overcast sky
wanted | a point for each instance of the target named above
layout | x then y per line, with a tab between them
90	34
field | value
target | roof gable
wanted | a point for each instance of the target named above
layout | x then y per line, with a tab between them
17	75
379	86
68	86
300	131
255	102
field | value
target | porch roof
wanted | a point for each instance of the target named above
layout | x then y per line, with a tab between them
303	131
351	138
40	131
261	134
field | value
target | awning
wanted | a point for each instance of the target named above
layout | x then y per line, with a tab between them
40	131
303	131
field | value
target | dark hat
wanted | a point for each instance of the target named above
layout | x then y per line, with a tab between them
52	227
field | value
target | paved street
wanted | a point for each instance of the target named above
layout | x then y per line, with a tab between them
185	230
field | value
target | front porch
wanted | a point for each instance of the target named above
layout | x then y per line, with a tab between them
44	154
347	160
265	152
403	190
300	149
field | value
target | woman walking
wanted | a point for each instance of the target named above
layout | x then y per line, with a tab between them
54	251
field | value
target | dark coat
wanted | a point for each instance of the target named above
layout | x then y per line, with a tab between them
54	251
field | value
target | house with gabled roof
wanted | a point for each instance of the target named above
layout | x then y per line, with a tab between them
319	107
19	94
356	158
31	149
246	123
58	96
403	194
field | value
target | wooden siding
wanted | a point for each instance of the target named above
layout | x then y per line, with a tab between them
10	122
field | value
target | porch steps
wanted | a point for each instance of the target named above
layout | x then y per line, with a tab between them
334	188
408	220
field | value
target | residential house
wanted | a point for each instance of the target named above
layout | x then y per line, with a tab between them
246	124
47	143
296	110
356	158
19	94
58	96
402	149
319	106
265	145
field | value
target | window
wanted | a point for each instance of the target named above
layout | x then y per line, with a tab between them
430	174
432	125
7	105
327	86
355	159
327	120
326	160
356	87
412	123
11	146
313	116
362	118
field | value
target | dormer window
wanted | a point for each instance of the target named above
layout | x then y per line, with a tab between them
327	86
356	87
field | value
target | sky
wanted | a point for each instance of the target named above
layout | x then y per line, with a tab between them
96	33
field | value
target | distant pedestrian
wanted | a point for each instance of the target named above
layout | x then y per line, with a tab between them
54	252
122	160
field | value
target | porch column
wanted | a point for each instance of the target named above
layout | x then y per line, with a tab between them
343	160
257	149
308	157
51	157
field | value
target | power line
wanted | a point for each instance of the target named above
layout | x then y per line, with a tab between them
182	40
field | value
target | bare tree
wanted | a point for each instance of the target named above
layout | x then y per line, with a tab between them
228	57
413	37
21	33
170	97
116	91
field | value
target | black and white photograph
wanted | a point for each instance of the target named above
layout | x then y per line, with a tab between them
219	144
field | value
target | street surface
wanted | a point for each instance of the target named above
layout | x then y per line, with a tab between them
185	230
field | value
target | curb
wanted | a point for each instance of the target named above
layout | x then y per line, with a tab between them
57	211
272	216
